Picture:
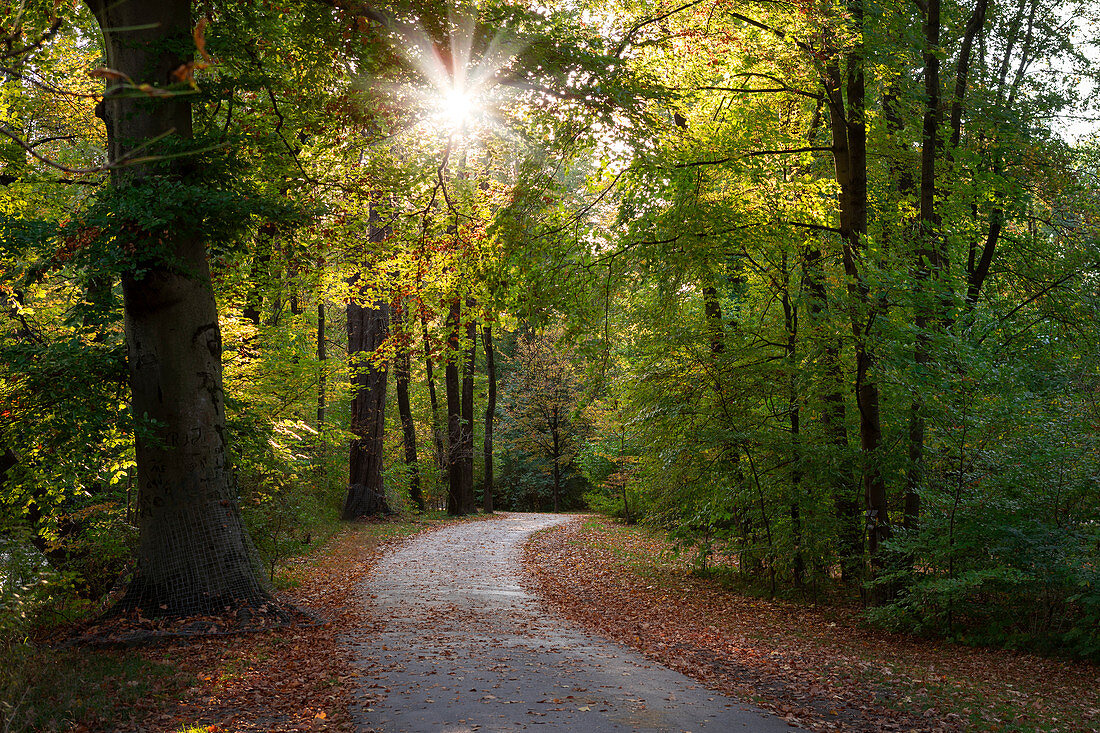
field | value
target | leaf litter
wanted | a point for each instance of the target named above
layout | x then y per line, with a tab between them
821	668
291	679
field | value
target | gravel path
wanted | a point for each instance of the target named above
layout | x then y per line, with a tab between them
463	647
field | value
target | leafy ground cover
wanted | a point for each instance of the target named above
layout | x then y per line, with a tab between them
821	668
290	679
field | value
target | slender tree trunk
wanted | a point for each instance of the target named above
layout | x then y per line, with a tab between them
194	556
834	422
322	358
557	468
849	131
259	274
468	410
730	449
439	446
455	497
790	319
402	369
490	413
962	71
368	328
931	259
712	312
979	266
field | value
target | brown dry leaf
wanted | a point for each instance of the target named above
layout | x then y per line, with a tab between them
104	73
821	668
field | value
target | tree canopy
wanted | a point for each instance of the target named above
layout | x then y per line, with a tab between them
811	286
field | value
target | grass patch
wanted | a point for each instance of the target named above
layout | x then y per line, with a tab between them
43	689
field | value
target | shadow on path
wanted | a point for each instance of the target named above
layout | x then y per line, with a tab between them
463	647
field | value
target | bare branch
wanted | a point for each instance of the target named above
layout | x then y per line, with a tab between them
754	154
629	35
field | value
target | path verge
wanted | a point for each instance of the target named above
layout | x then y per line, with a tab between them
291	679
820	668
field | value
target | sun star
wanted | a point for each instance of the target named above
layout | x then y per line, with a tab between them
456	109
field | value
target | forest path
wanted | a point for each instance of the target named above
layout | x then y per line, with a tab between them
461	646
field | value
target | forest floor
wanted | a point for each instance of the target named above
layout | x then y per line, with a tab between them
819	667
292	679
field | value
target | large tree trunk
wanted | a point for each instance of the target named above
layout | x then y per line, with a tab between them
402	369
368	328
490	413
455	498
468	505
194	556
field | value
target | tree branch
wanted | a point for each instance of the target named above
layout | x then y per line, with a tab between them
754	154
629	35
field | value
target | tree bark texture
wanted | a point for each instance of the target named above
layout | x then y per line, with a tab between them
194	556
322	358
368	328
931	260
555	432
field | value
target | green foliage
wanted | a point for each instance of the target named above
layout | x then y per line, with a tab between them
653	190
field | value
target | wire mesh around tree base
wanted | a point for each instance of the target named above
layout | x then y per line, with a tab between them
208	581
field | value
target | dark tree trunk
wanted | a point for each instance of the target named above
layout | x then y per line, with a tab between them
194	556
468	411
790	319
490	413
557	464
962	71
979	266
402	369
931	259
322	358
712	312
259	274
439	446
8	461
455	498
368	328
849	130
834	423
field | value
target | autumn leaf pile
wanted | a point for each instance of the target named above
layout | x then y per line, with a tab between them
819	668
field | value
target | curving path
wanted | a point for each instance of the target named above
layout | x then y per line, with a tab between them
463	647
